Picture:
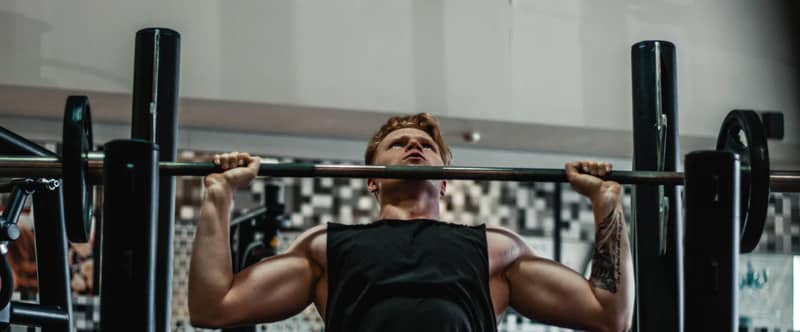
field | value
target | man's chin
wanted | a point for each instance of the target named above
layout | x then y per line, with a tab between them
415	162
411	162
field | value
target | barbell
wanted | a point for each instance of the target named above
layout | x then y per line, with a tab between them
742	133
51	167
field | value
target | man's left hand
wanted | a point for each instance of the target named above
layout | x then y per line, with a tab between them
584	176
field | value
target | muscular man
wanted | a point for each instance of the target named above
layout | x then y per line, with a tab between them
409	271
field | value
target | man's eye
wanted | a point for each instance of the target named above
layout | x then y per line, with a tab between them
396	145
428	146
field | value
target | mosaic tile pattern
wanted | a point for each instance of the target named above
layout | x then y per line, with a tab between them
86	312
782	231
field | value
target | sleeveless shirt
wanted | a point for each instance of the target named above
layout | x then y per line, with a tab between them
408	275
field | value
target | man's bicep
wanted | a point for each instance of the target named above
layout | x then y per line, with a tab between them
551	293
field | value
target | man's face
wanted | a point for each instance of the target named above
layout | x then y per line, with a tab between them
408	146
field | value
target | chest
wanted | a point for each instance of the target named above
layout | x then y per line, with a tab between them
383	254
422	252
499	253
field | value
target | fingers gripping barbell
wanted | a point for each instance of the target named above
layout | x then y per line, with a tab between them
741	133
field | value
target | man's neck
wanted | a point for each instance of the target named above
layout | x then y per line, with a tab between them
414	202
411	209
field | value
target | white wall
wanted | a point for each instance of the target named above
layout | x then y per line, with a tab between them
561	62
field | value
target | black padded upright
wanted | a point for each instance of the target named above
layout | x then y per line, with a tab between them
712	241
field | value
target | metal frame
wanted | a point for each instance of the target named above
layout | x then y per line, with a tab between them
54	310
154	118
657	246
712	241
128	292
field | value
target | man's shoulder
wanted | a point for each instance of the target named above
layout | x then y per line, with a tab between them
501	234
315	235
505	240
312	243
311	239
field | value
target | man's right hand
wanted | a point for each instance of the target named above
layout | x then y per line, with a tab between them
239	170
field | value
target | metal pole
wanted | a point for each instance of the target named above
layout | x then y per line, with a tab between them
23	313
712	241
557	220
127	287
13	144
51	258
155	118
656	245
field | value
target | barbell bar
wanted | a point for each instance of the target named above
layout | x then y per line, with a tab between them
25	166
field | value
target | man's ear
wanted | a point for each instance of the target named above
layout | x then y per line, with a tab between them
372	186
443	188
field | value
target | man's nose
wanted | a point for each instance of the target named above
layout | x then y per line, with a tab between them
414	144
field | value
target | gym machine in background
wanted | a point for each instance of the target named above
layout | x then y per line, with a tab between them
54	310
255	235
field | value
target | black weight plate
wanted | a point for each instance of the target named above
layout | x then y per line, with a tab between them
77	142
742	133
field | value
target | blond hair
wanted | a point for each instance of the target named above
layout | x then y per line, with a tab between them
421	121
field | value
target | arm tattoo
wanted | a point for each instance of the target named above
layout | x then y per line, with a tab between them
606	257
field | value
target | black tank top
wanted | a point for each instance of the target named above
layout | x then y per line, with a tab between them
408	275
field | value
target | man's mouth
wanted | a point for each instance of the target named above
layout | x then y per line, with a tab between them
414	156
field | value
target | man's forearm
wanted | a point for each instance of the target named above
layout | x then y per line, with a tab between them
210	274
612	266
